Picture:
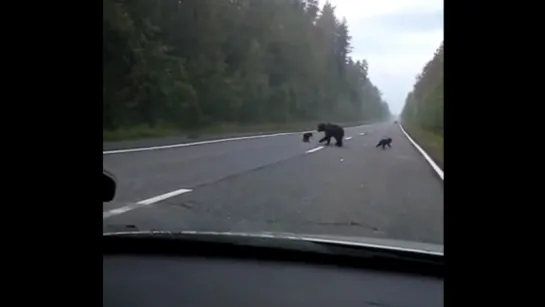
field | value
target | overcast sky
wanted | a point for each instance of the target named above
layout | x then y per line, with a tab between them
397	37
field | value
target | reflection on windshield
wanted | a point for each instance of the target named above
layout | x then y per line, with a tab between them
273	116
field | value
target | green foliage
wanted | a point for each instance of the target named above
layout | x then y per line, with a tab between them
197	63
424	104
422	114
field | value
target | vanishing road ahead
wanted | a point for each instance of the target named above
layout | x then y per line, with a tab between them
280	184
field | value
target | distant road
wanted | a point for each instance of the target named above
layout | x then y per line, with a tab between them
278	183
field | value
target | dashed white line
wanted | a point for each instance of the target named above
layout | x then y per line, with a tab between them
155	199
145	202
119	151
314	149
348	138
119	210
159	198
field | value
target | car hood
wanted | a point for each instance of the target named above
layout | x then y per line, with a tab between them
380	243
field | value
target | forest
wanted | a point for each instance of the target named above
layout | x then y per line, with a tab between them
422	114
192	64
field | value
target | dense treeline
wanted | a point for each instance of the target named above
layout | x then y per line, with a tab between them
424	104
194	63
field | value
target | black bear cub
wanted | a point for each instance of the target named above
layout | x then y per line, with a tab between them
307	136
331	131
385	142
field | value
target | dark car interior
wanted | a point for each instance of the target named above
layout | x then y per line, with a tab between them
169	269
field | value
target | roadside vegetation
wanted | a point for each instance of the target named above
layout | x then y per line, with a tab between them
422	115
192	66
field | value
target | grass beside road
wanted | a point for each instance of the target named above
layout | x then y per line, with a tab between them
139	132
431	142
225	130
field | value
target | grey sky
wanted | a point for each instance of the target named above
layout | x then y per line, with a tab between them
397	37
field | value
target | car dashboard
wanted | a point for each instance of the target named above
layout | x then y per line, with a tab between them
166	272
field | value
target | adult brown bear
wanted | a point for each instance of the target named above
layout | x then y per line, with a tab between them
331	131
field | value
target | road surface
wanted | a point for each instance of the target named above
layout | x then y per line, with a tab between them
280	184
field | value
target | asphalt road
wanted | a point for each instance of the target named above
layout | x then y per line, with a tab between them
280	184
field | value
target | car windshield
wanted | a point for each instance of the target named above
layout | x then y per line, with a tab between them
275	116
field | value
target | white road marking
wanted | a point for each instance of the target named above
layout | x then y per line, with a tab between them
363	133
348	138
155	199
118	210
314	149
119	151
436	168
145	202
